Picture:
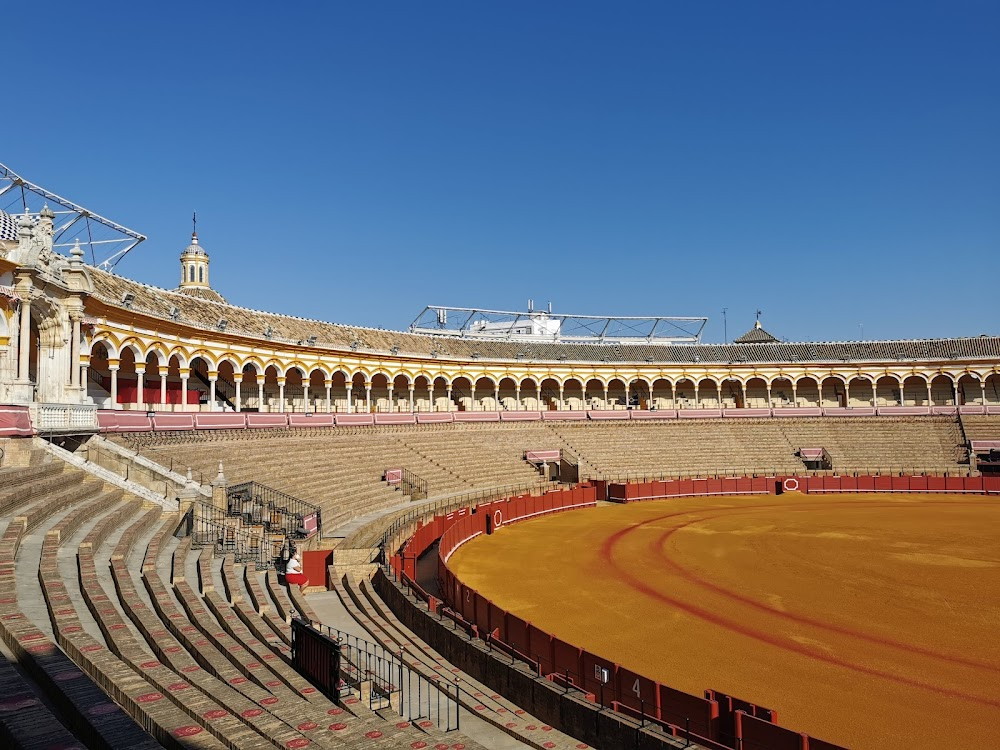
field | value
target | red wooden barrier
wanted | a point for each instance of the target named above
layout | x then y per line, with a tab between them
685	710
314	565
599	676
756	734
568	661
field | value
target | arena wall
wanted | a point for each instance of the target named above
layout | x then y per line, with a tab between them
713	720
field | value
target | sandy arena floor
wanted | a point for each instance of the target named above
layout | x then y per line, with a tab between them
872	621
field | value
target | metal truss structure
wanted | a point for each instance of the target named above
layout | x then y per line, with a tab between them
107	241
548	327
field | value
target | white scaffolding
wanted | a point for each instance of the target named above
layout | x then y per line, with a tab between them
106	241
546	326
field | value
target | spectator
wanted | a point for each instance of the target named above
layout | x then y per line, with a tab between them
294	574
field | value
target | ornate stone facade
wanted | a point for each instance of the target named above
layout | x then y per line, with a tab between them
42	297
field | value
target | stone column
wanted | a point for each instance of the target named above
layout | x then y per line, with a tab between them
696	404
517	398
328	384
114	382
390	388
24	338
929	399
368	395
74	350
982	388
163	385
472	406
795	399
448	396
411	399
238	382
212	377
562	403
430	398
140	384
281	395
350	396
769	404
185	375
305	398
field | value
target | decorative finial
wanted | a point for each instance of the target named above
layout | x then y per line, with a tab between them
757	323
77	252
194	227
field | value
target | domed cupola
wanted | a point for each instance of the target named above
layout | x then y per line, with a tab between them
194	272
194	265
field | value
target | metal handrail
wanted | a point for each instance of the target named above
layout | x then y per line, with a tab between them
391	682
258	503
209	526
412	484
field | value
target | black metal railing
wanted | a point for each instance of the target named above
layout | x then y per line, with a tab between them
277	512
209	526
224	389
102	380
316	656
383	680
405	480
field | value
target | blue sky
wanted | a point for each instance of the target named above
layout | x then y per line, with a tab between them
835	165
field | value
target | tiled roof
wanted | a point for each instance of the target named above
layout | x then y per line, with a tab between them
756	335
202	292
206	314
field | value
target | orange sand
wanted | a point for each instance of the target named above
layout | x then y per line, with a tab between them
872	621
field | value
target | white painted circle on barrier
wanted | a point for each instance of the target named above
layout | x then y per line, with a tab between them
497	518
790	485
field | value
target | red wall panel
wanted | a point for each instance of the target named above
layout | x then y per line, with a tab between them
481	613
757	733
681	708
540	648
638	692
593	669
498	623
517	633
954	484
568	660
883	483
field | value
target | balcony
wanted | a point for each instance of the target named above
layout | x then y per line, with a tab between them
72	419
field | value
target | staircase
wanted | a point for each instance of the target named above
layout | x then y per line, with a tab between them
224	389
